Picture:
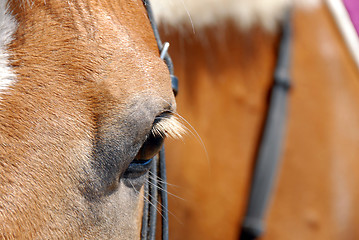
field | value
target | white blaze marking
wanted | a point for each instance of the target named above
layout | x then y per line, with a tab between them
7	29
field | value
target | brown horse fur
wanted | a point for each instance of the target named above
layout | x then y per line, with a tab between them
88	84
225	76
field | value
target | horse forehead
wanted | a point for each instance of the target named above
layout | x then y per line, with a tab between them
111	41
102	23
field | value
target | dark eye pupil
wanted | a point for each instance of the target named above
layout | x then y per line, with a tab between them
150	148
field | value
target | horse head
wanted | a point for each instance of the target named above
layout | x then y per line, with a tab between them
84	95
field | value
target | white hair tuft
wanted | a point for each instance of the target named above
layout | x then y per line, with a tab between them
244	13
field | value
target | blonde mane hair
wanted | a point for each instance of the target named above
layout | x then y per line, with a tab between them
244	13
7	29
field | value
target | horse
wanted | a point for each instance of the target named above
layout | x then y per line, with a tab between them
85	103
224	53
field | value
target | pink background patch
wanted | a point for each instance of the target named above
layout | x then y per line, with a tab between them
352	7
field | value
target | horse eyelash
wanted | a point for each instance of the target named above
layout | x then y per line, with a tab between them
168	126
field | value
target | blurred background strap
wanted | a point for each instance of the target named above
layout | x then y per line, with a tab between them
225	53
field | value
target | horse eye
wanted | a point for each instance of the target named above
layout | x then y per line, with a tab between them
142	162
150	147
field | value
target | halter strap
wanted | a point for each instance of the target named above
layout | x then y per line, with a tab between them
156	189
268	154
271	144
166	56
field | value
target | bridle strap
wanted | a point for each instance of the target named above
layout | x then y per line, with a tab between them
268	154
271	144
167	57
156	187
164	196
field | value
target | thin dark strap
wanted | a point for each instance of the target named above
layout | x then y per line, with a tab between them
153	200
167	57
144	229
152	187
271	145
149	219
164	200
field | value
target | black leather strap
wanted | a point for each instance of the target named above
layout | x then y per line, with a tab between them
156	188
271	145
167	57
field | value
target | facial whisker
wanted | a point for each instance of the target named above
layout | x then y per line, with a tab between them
133	187
191	130
167	191
189	16
161	181
163	206
194	134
